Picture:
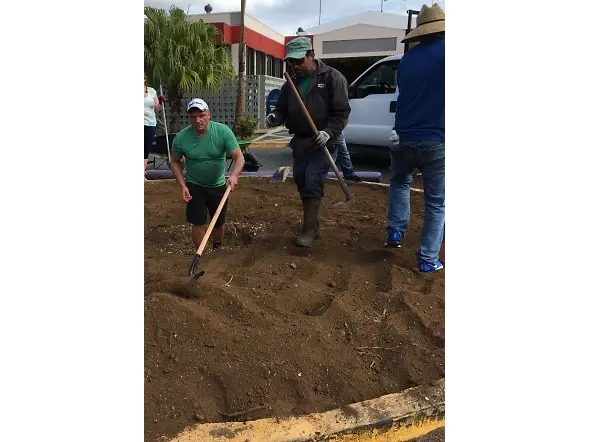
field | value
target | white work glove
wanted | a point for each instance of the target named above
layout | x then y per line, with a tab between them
271	120
393	138
322	139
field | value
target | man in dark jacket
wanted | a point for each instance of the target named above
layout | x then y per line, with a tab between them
324	91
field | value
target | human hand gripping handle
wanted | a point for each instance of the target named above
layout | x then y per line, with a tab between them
322	139
232	181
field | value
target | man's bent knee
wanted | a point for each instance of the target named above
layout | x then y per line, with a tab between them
313	189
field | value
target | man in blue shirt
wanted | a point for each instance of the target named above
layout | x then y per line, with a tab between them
419	124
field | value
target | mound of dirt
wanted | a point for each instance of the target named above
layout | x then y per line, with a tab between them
275	330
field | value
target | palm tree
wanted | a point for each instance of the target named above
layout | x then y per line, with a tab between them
186	57
240	105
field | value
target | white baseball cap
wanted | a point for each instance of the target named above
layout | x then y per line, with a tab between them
197	103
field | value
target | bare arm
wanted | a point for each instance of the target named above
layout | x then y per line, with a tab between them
176	155
176	168
156	104
232	146
238	162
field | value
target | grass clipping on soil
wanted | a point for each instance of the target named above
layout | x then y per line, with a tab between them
275	330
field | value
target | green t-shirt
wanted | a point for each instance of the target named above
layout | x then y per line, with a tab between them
206	157
304	84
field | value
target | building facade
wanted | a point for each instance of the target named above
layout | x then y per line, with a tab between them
350	44
264	46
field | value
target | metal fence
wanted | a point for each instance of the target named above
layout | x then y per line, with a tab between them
222	103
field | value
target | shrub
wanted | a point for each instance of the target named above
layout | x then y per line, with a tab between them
245	127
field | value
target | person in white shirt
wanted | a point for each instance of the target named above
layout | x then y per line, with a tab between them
151	106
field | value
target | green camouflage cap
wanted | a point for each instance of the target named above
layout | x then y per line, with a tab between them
298	47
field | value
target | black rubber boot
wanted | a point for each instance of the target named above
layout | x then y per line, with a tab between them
318	224
317	229
310	218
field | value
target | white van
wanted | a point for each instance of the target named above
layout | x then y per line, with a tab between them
373	100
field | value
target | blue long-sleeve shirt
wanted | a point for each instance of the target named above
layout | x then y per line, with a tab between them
421	103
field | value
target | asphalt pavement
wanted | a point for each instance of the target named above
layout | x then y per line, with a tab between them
272	158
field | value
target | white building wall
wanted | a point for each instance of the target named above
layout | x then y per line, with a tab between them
260	28
235	57
231	18
358	32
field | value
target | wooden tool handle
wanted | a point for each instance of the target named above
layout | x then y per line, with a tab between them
213	221
340	178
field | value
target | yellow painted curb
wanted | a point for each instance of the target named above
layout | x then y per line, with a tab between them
399	416
401	434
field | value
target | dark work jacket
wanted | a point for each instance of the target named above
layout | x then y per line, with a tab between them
327	103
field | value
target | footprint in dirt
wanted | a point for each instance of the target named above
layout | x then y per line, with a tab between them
249	259
184	287
320	308
383	277
374	256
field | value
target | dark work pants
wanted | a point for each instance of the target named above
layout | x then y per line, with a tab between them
310	172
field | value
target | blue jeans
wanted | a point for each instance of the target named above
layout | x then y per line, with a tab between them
429	158
342	158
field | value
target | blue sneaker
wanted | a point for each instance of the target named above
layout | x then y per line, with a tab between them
393	239
425	267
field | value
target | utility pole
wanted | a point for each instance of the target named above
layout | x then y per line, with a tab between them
410	14
319	11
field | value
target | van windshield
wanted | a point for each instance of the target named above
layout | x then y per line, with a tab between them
382	79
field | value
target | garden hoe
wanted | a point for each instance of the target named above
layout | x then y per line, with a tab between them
349	197
280	174
192	271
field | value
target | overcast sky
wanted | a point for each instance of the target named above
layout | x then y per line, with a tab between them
285	16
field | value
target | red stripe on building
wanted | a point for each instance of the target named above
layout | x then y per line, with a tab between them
222	27
253	39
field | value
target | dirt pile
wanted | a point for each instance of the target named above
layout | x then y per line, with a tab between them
274	330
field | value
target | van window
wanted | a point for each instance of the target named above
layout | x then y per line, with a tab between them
382	79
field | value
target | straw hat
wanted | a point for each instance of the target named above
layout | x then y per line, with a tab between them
430	20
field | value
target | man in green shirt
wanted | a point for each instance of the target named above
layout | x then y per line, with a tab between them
205	146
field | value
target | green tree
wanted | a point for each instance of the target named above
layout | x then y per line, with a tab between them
184	56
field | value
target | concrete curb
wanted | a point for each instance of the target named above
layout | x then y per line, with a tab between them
330	181
377	186
401	416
